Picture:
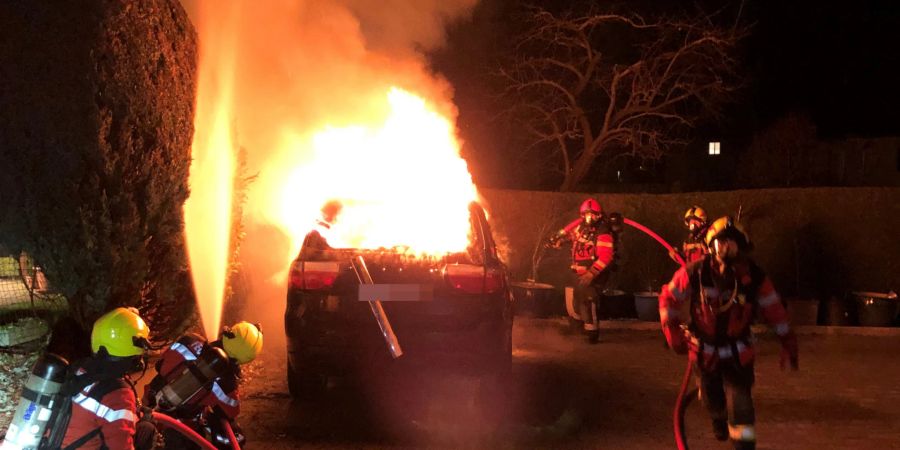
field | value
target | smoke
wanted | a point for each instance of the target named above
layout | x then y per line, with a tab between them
397	26
300	66
304	64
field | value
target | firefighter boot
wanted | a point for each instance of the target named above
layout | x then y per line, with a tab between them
591	322
593	336
743	436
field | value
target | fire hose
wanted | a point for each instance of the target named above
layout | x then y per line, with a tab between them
655	236
167	421
684	397
230	433
681	404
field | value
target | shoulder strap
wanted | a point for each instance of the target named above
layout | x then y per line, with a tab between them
83	439
694	270
104	386
229	381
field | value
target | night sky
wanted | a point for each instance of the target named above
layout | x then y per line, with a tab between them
839	61
836	61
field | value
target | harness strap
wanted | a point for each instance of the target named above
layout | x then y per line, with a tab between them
91	402
84	439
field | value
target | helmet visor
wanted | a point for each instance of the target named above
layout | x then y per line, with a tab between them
724	249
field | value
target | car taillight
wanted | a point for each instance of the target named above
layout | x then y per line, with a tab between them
473	279
311	275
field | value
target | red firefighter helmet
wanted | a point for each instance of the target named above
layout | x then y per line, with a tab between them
590	205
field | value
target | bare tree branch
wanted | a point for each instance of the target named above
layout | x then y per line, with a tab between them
578	97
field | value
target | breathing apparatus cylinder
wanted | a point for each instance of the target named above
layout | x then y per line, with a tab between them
37	407
195	376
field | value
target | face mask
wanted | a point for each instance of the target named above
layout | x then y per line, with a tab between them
120	366
725	250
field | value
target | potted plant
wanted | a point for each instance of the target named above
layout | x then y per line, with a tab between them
533	297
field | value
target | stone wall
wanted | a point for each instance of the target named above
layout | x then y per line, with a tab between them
815	241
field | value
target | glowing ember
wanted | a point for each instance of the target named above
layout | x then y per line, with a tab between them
401	181
207	213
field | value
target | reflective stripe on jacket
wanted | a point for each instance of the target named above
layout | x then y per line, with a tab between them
115	414
721	318
592	247
223	393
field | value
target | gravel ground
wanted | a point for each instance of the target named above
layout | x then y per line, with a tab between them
567	394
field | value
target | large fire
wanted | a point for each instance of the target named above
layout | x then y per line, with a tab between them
314	101
399	177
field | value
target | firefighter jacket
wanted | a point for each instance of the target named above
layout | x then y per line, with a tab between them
721	312
104	415
222	395
694	248
593	246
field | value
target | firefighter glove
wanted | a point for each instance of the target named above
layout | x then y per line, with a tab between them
146	436
555	241
680	341
674	255
586	278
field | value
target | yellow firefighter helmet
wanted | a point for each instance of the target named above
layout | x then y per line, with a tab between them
122	332
242	341
696	213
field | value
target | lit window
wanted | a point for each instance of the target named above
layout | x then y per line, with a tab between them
714	148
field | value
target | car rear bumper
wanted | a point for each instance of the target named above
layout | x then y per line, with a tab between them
470	337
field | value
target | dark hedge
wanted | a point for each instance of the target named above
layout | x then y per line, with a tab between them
96	122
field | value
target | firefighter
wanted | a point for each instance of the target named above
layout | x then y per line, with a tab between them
723	291
315	244
197	381
593	251
694	247
104	410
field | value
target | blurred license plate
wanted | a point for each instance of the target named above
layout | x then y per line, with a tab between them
396	292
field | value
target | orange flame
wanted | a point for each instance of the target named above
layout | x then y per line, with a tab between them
207	213
308	88
400	178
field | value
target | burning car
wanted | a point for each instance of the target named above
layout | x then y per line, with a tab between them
450	311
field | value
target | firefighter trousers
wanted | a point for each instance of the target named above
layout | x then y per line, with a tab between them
587	298
726	392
